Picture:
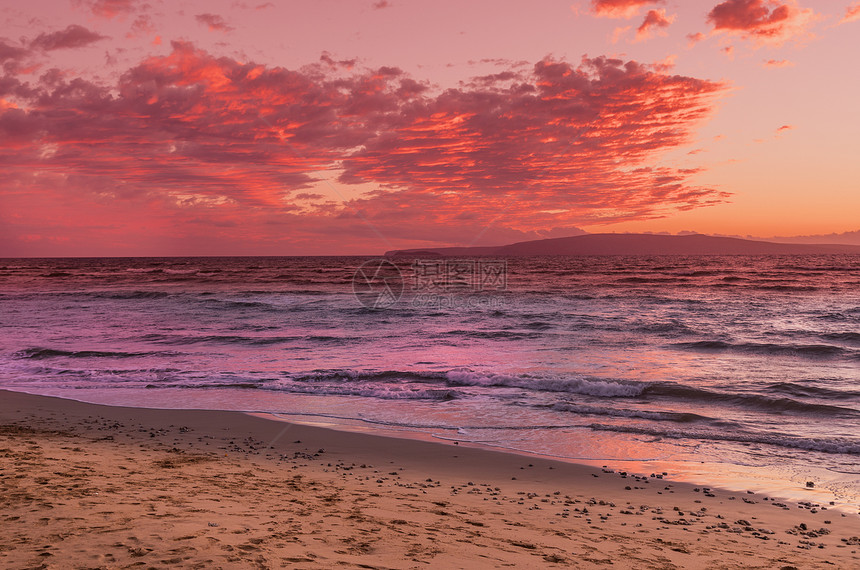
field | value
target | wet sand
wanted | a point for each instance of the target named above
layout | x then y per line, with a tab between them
89	486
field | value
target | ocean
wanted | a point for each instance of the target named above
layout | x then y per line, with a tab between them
739	371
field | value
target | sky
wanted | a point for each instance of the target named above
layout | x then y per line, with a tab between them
329	127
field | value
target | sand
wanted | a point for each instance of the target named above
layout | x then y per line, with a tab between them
88	486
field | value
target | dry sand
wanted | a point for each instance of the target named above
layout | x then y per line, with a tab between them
87	486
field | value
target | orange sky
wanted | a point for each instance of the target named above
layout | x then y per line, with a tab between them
222	127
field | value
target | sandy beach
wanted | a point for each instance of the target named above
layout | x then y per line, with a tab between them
88	486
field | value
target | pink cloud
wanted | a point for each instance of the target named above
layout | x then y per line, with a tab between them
620	8
766	21
778	63
666	64
73	36
214	22
852	13
190	142
381	4
784	128
618	32
693	39
109	9
142	25
654	20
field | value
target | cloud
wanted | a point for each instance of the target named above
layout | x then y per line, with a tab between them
764	21
381	4
333	63
693	39
214	22
654	20
547	141
618	32
620	8
852	13
9	52
142	25
73	36
109	9
666	64
784	128
191	136
778	63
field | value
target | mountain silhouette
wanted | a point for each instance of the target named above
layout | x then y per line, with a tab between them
633	244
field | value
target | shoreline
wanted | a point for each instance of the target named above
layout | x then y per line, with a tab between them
787	482
95	485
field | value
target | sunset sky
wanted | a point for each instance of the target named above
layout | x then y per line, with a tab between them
326	127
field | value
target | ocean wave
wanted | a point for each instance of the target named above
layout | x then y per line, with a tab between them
180	340
803	350
494	335
590	387
674	328
245	304
758	401
835	317
341	375
811	391
384	393
647	280
695	273
582	409
792	288
835	445
821	268
42	353
848	337
455	378
130	294
538	325
390	392
596	387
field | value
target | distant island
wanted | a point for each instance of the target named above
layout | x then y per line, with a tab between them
632	244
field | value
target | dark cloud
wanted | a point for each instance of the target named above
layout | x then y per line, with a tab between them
10	52
344	63
214	22
73	36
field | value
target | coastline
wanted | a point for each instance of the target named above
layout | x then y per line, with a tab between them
786	483
103	486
